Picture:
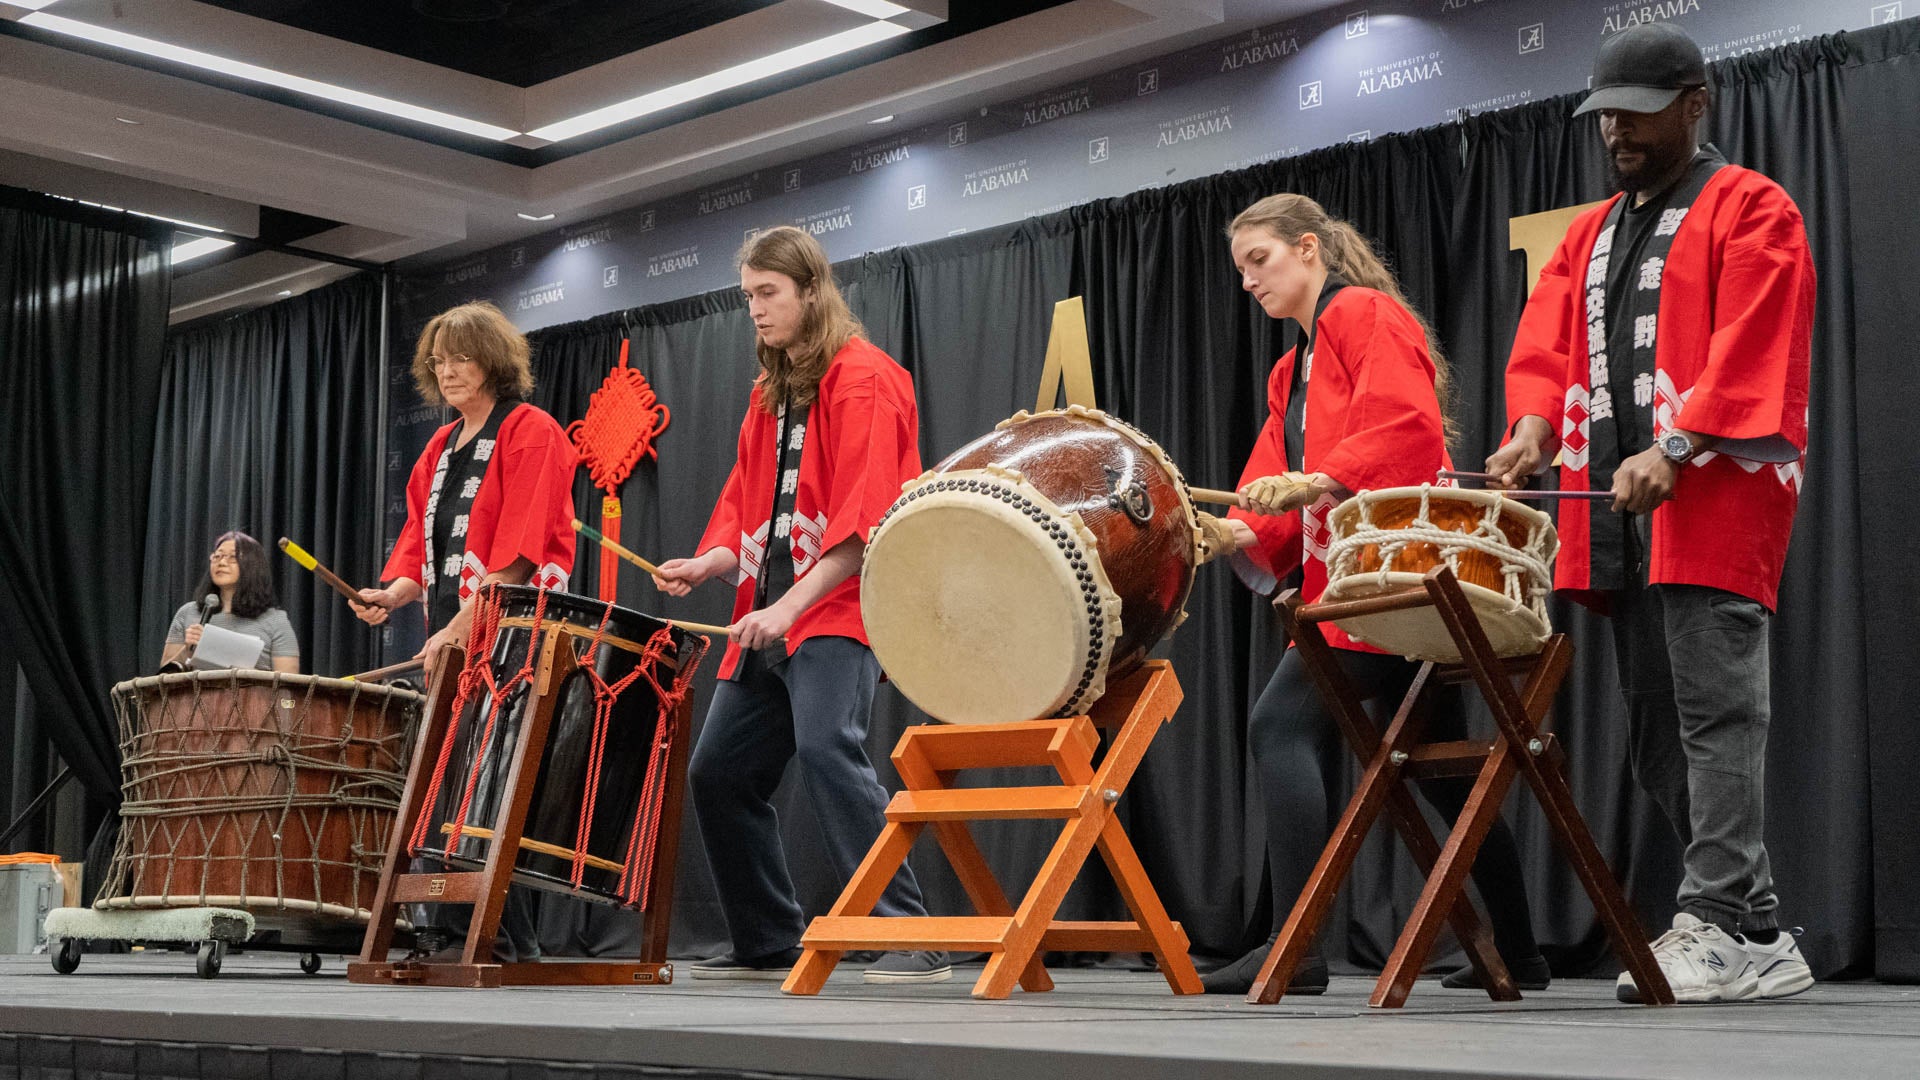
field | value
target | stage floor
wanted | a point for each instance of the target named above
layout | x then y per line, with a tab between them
121	1009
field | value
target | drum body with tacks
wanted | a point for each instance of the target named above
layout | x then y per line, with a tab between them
1500	550
268	791
602	771
1032	566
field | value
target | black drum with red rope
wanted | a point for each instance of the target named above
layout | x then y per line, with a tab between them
595	815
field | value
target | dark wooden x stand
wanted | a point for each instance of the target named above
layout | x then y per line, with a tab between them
1389	760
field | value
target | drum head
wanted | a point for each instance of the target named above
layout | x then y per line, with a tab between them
975	611
1419	634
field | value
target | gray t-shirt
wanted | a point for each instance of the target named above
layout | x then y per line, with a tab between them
271	626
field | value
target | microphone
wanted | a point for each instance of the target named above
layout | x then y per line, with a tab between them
208	605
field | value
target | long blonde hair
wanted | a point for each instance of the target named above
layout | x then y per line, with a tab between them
792	375
1348	254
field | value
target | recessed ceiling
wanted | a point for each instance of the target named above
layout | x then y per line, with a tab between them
560	109
517	42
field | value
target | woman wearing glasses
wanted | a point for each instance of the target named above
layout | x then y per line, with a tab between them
491	498
237	571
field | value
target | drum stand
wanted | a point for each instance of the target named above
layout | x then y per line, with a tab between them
486	889
1391	760
928	758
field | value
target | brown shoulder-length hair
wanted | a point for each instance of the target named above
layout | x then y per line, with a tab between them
479	331
1348	254
791	376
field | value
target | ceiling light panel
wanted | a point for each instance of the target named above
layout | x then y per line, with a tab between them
725	79
267	76
194	249
873	9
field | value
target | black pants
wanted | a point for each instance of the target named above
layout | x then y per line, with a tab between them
1293	733
813	706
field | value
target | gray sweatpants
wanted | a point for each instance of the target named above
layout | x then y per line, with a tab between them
1693	667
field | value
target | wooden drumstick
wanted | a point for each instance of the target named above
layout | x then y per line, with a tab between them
1215	495
299	554
590	533
381	674
697	627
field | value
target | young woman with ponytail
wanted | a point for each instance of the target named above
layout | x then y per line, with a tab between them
1360	404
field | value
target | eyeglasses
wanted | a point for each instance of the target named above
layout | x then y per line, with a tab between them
220	557
435	363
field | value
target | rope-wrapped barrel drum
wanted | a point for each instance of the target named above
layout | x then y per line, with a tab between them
262	790
1501	552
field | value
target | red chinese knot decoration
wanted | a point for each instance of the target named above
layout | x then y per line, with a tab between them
623	418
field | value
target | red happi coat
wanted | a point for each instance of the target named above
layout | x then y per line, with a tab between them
523	507
1734	331
1372	422
862	444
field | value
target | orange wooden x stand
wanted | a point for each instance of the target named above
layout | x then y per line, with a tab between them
1389	760
928	758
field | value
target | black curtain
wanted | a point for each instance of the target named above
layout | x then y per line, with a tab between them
83	314
1183	354
267	423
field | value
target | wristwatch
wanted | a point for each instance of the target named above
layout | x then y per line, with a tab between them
1676	447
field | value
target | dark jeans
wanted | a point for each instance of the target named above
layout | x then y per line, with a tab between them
1292	735
1693	667
814	706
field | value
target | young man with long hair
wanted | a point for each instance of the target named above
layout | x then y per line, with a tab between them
831	432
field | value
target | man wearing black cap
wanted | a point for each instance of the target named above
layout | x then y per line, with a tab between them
1664	354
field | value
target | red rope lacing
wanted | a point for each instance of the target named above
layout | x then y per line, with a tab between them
637	877
477	672
604	695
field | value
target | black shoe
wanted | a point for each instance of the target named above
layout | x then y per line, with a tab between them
772	967
1309	978
1530	973
910	967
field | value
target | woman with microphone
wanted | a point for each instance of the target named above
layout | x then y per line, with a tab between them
238	575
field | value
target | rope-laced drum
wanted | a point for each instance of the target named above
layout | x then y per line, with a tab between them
594	820
1035	564
268	791
1501	552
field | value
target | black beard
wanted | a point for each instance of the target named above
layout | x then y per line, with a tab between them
1642	179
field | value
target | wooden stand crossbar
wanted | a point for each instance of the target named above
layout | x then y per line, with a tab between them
486	889
928	759
1523	746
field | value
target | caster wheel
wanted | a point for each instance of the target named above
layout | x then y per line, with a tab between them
310	963
67	956
207	961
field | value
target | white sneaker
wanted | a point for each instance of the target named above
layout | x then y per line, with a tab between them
1701	962
1779	967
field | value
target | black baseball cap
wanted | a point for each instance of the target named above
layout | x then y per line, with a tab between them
1642	69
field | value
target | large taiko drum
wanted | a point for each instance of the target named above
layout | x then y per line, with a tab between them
1501	552
1022	574
603	773
262	790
